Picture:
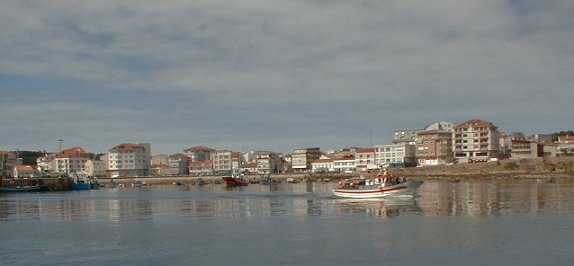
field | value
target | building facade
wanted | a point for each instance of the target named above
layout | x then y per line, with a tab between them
365	159
344	164
69	161
434	147
129	159
200	153
267	162
406	136
401	153
476	140
302	158
222	162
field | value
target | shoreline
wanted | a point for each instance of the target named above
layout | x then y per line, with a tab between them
300	177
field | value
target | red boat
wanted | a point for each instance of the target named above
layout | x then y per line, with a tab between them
235	181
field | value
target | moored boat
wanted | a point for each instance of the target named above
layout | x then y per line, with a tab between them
235	181
81	181
34	188
381	186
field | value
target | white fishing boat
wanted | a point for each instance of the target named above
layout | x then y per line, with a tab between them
380	186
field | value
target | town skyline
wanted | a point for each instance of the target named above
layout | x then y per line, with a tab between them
62	146
260	75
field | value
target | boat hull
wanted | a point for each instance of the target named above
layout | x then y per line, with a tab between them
231	181
36	188
407	188
81	186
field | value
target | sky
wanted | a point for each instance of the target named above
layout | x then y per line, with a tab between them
277	75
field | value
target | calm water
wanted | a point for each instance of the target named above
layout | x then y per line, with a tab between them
499	222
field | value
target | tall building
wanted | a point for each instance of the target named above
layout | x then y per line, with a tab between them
129	159
434	147
267	162
302	158
222	162
476	140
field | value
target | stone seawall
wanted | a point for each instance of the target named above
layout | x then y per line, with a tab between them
526	168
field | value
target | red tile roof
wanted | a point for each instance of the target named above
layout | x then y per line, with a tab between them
199	148
127	147
474	122
366	150
75	152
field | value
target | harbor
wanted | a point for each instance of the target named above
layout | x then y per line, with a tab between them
287	223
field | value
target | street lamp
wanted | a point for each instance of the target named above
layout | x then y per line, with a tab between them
60	141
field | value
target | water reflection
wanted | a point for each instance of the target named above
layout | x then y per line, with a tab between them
382	208
472	198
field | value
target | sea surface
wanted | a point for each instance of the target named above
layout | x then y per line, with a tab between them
471	222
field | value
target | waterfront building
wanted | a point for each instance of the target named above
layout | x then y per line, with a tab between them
525	149
200	168
476	140
323	165
69	161
303	157
200	153
406	136
365	159
25	171
8	161
160	159
344	164
129	159
434	147
97	167
222	164
267	162
178	164
249	167
401	153
565	145
159	170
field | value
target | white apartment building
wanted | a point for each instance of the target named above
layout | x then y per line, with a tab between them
476	140
323	164
128	159
302	158
365	159
344	164
402	153
222	162
266	162
69	161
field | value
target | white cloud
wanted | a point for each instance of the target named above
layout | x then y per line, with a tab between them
299	58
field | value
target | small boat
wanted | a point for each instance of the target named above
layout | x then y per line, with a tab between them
34	188
292	180
381	186
112	184
235	180
137	183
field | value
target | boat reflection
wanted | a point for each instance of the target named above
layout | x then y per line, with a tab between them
383	208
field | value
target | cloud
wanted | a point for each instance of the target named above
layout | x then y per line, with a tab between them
279	65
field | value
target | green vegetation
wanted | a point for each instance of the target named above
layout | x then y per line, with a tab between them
562	133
